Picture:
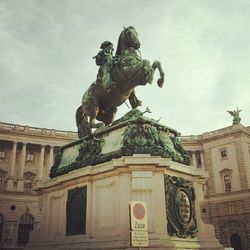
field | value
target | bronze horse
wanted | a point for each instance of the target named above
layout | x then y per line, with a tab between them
127	72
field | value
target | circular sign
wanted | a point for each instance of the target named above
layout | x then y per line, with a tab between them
139	211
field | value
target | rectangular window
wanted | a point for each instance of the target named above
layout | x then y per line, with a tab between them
30	157
27	185
76	211
223	153
2	182
227	182
2	155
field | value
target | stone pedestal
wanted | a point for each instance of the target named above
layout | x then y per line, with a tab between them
86	203
110	188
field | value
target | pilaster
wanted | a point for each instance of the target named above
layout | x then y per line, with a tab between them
142	186
50	161
10	182
202	160
40	164
241	163
20	182
209	167
194	162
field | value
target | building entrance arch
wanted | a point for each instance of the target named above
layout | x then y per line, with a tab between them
233	234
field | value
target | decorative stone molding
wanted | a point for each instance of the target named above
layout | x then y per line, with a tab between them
180	206
105	182
19	129
139	135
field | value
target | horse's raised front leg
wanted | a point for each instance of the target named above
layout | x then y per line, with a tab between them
148	71
157	65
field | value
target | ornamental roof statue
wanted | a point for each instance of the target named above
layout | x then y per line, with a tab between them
236	115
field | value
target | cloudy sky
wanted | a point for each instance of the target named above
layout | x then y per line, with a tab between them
46	50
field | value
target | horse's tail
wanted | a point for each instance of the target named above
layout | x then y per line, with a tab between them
82	123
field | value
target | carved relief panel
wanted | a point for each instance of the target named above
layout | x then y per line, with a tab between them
180	200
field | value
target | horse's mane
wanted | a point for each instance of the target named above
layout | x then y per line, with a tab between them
119	47
120	39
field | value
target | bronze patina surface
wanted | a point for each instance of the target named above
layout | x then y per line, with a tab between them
135	133
116	80
236	115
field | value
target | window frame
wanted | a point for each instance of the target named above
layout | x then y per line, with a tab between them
29	178
226	172
3	176
30	157
223	153
227	183
25	225
2	154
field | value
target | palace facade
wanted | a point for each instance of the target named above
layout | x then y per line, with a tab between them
27	153
225	154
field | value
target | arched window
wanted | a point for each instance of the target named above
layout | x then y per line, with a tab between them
1	226
24	228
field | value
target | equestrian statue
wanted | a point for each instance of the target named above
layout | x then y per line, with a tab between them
116	80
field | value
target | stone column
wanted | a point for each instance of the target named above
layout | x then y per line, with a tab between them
40	164
202	159
21	169
50	160
10	183
194	159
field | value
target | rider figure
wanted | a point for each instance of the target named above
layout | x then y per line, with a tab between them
104	59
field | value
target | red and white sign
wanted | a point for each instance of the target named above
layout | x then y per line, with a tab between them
139	223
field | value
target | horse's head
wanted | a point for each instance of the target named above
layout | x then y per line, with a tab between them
128	39
131	37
